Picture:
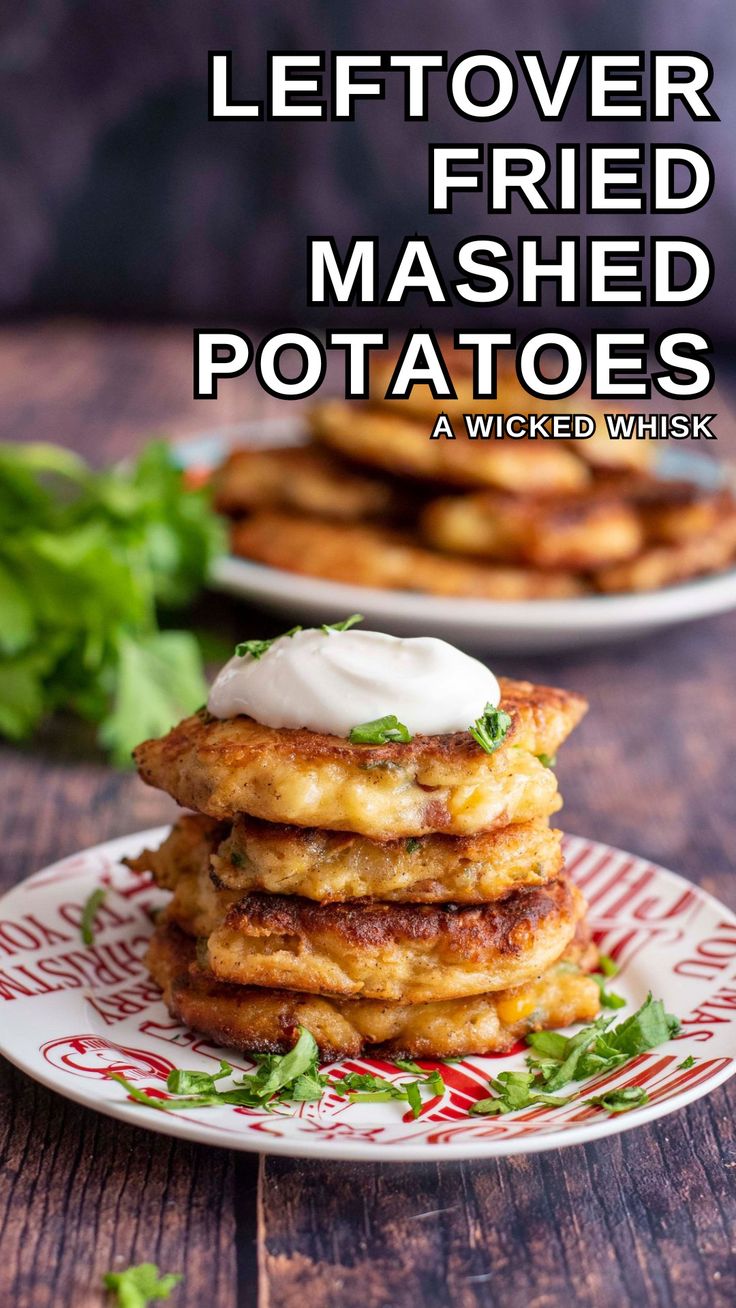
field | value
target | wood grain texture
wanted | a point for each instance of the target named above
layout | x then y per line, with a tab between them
646	1219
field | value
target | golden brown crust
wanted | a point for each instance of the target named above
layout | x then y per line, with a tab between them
376	556
576	532
305	478
186	850
390	437
304	778
330	866
410	953
256	1020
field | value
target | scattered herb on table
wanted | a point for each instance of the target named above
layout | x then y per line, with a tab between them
136	1287
87	559
89	913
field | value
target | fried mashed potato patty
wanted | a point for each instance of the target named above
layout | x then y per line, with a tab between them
680	560
331	866
577	532
432	784
378	556
390	438
253	1020
307	478
408	952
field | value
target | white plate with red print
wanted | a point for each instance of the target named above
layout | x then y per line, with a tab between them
70	1014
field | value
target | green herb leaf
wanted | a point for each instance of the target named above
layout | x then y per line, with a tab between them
136	1287
548	760
607	965
257	648
181	1082
407	1065
89	913
490	729
345	625
380	731
607	997
686	1063
413	844
159	681
621	1100
85	557
286	1068
413	1097
515	1090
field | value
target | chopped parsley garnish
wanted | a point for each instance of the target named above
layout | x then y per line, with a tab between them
607	968
278	1079
365	1088
514	1090
490	729
257	648
345	625
413	844
89	913
593	1050
686	1063
284	1078
136	1287
621	1100
380	732
548	760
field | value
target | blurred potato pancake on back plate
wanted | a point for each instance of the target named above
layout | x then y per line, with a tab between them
430	784
582	531
363	555
391	439
304	478
250	1019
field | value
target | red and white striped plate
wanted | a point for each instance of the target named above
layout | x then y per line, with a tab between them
70	1014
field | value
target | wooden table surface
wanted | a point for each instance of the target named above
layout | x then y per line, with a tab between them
645	1218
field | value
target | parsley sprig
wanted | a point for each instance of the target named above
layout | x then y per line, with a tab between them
257	648
489	730
89	913
136	1287
381	731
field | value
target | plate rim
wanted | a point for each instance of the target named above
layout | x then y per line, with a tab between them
301	1145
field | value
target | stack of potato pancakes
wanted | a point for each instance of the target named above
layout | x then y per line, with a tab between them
372	500
399	898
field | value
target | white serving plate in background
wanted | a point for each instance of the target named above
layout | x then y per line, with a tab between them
498	626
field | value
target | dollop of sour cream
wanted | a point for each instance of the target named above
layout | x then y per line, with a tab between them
331	682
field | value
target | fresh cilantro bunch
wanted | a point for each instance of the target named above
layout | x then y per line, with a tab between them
87	559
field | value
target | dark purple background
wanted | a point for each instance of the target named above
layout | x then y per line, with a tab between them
117	196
